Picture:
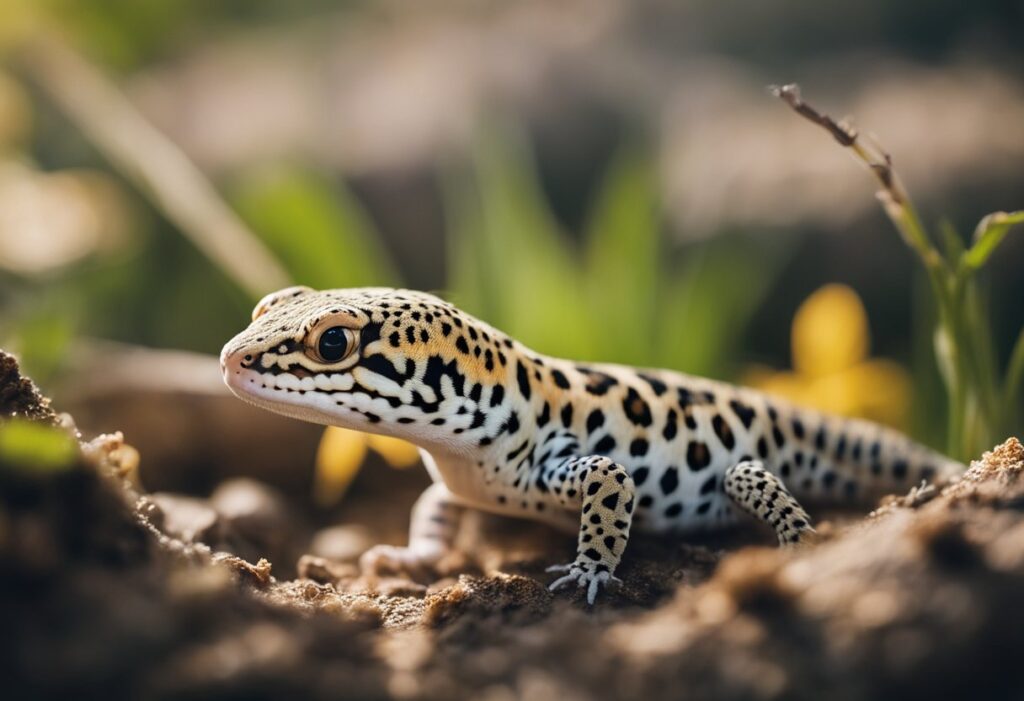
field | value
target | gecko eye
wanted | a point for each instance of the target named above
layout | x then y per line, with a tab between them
335	343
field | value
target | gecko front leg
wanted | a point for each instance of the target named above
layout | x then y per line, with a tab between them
432	532
606	495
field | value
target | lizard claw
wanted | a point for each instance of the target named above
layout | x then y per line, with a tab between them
584	576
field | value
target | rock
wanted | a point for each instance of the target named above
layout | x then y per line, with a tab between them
323	570
342	543
258	521
188	518
253	509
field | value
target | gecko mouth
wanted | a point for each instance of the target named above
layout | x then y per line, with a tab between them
250	386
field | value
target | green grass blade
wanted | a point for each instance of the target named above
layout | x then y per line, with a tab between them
988	235
318	230
623	262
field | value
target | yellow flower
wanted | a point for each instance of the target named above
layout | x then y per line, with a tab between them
342	452
831	368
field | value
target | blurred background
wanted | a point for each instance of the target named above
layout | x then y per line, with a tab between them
606	180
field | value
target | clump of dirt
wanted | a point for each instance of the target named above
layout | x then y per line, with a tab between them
103	592
19	396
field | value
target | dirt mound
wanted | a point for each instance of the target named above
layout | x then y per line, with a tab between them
100	598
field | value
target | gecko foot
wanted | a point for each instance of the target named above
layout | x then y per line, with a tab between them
584	575
392	558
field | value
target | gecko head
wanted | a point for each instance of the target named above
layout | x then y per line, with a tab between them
389	361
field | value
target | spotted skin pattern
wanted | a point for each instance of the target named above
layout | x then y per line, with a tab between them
597	448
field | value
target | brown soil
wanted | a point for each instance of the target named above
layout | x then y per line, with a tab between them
101	596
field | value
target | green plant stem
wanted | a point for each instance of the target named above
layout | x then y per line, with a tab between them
1014	381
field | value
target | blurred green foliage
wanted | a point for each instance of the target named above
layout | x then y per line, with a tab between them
621	295
319	231
35	447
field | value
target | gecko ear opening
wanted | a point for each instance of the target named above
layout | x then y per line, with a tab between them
264	305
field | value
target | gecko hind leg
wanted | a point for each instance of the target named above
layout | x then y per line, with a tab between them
432	532
763	495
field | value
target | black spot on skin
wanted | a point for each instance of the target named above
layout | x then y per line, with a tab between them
410	334
609	542
784	470
475	391
518	450
408	420
394	339
523	379
560	379
446	329
497	395
927	472
636	409
598	383
461	344
820	438
899	469
745	413
380	365
723	431
611	502
372	418
674	510
762	447
511	423
605	445
544	416
640	475
697	455
592	554
671	425
645	501
567	415
638	448
478	419
489	362
593	488
780	440
435	371
595	420
473	335
704	508
709	486
855	452
669	481
841	447
798	428
828	479
657	386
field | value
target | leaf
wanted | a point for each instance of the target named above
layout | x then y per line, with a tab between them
521	273
989	233
338	458
623	263
711	301
397	453
34	447
1015	380
318	231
